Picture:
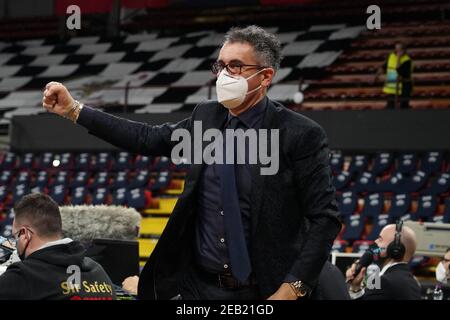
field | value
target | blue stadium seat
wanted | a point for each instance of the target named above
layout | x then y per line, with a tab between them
373	205
444	218
379	223
101	179
8	161
27	161
400	205
136	198
440	184
58	193
347	204
415	182
431	162
61	178
358	164
161	182
342	180
5	177
339	246
101	161
406	217
394	184
6	227
119	197
336	162
65	161
83	162
3	193
19	191
427	207
140	180
79	195
80	179
42	178
100	196
46	160
354	226
23	177
407	163
143	162
123	161
120	180
161	164
382	163
365	183
37	189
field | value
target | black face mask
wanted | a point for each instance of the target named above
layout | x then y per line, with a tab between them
22	255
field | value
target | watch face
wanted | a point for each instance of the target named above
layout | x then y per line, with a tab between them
302	292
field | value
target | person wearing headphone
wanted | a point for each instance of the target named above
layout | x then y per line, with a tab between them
397	245
442	269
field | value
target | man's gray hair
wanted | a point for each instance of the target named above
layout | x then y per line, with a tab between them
266	45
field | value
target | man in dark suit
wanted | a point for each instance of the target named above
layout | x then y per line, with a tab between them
234	233
396	280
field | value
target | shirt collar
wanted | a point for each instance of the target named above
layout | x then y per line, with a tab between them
252	115
390	265
56	242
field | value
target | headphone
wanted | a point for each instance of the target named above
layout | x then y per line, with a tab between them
396	249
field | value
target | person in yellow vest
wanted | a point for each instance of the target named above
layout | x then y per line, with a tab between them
398	83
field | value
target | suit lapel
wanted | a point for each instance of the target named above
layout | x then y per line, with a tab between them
269	122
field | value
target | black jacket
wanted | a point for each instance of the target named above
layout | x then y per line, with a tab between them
44	274
294	212
331	284
397	283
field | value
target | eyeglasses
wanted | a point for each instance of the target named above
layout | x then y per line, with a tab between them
233	67
13	239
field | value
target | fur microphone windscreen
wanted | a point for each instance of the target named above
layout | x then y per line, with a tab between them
84	223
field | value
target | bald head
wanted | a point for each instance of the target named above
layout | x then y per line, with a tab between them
408	238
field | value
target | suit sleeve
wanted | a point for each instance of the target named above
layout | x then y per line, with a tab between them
138	137
316	194
13	285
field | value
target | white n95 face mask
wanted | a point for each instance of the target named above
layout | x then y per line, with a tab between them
441	273
232	90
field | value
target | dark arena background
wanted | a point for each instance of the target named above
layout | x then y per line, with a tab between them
150	61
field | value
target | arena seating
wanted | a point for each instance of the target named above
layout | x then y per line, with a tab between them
377	189
372	189
348	83
151	185
163	72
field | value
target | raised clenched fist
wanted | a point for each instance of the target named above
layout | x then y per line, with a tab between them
57	99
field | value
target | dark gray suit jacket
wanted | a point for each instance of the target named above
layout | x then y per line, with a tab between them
294	212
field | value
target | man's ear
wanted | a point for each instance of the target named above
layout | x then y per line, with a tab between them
27	234
268	74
